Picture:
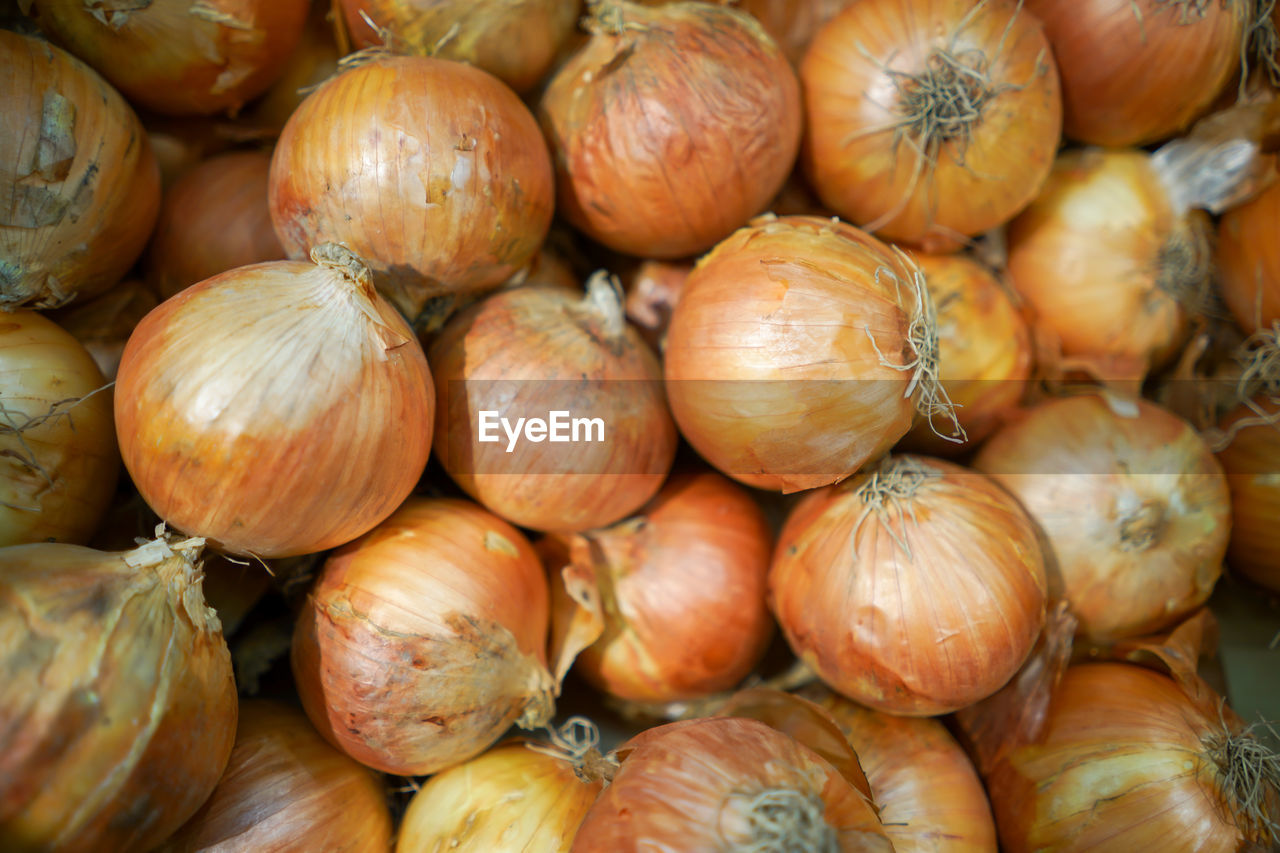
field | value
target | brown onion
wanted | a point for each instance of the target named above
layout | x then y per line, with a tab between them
103	324
1249	261
1252	465
310	64
793	23
671	127
79	186
423	640
653	289
117	708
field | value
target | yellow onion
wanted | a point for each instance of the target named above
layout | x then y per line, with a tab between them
286	789
671	127
103	324
310	64
117	707
277	409
1131	501
79	186
181	144
423	640
653	289
1252	465
1249	261
917	589
793	23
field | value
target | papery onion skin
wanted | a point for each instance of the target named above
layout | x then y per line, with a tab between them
310	64
118	706
425	639
440	177
918	589
1249	261
1130	500
642	164
277	409
103	324
79	185
1252	465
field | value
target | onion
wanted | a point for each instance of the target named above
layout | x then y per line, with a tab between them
1249	261
1131	501
213	219
310	64
800	349
1252	465
671	127
929	122
277	409
118	704
524	355
178	57
653	289
916	589
181	144
440	177
79	186
285	788
103	324
425	639
793	23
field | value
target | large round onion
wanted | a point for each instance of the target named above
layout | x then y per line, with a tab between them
277	409
79	186
1252	465
1249	261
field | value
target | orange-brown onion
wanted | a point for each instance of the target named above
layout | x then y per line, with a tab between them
653	289
1107	50
425	639
675	595
1130	500
671	127
1106	264
177	57
793	23
928	121
286	789
79	185
103	324
213	219
1129	762
1252	465
529	353
277	409
1248	257
727	783
918	588
432	169
794	352
930	797
311	63
58	458
118	706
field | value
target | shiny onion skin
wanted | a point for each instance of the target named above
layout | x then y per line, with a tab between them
793	353
1252	465
1130	500
103	324
1106	51
118	707
793	23
439	177
277	409
917	589
1249	261
79	185
425	639
671	127
929	121
176	57
213	219
286	789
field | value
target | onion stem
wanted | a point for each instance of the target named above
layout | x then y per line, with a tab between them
605	299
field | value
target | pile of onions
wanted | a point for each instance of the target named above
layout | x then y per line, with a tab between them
103	324
669	604
79	186
800	349
523	355
277	409
285	788
671	127
214	218
916	589
177	57
1131	501
118	701
58	456
439	177
653	289
1249	261
1252	465
425	639
928	122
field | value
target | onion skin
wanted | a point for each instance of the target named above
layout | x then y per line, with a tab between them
424	640
79	185
793	23
1249	261
311	63
642	164
1252	465
1129	498
118	707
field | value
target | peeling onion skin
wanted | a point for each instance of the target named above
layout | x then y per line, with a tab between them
1252	465
277	409
79	184
118	707
1249	261
423	641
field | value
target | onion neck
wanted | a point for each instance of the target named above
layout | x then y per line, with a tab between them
177	566
336	257
1141	529
605	304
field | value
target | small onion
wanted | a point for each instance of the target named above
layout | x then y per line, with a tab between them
653	289
103	324
1131	501
425	639
1249	261
118	703
1252	465
311	63
277	409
